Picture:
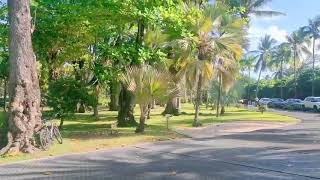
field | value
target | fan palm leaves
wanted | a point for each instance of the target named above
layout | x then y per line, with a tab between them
216	35
147	84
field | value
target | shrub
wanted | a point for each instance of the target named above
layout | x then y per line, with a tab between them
66	93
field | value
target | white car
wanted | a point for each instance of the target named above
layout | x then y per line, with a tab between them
312	103
264	101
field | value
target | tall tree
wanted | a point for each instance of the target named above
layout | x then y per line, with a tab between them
248	63
24	91
282	54
251	7
297	42
312	30
264	51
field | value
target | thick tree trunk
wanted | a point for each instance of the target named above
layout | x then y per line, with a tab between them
114	96
95	108
222	111
172	107
143	111
126	108
196	122
24	91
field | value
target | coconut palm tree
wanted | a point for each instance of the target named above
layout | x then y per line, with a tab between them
248	64
265	51
281	54
297	40
227	71
312	30
146	84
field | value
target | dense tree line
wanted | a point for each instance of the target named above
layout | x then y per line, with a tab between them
133	51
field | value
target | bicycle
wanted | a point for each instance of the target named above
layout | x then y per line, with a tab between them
47	133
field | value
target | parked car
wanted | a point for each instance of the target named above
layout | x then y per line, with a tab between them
276	103
294	104
312	103
264	101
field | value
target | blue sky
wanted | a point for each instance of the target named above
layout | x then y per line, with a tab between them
297	14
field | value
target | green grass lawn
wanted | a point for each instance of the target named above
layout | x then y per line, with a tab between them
83	133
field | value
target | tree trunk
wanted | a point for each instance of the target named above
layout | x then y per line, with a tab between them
222	111
281	85
143	111
61	123
313	61
258	81
153	104
126	108
172	107
114	96
196	122
248	90
294	72
5	95
24	90
95	108
149	111
219	94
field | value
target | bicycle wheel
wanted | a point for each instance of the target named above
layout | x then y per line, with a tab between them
45	140
57	134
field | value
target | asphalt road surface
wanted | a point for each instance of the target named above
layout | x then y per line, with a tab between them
291	152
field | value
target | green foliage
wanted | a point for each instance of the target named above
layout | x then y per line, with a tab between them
66	93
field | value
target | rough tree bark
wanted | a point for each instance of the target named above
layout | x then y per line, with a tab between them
126	107
143	113
114	96
95	108
171	107
24	91
5	95
196	122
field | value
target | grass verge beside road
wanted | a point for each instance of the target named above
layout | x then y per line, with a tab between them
84	133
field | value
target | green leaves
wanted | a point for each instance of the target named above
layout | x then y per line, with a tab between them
148	84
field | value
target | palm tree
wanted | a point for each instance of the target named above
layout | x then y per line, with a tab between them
147	83
264	51
297	43
227	71
281	54
312	30
216	36
252	7
248	63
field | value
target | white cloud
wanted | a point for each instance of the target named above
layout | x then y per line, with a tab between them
256	33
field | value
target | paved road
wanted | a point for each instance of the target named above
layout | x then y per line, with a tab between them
288	153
